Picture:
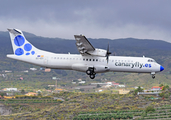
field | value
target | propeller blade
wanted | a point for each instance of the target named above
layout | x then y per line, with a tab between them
107	53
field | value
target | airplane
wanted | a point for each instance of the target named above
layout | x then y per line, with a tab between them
90	60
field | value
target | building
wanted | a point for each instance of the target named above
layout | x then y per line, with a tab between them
9	97
82	82
121	85
73	82
47	70
115	84
21	78
33	69
49	91
31	94
107	86
26	71
9	89
110	83
51	85
7	71
100	90
59	90
156	88
99	83
123	91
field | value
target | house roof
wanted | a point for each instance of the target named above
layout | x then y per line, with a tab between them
155	87
58	89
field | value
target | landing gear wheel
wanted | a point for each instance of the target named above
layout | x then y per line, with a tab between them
92	76
91	72
153	76
88	72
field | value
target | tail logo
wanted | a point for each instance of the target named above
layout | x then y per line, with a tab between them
20	41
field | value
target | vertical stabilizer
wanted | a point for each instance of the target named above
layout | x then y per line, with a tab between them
19	43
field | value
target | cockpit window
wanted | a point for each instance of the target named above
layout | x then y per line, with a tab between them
150	60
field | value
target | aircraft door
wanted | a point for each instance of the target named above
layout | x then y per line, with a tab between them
45	60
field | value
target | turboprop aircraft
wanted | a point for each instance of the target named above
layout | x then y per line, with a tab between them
90	60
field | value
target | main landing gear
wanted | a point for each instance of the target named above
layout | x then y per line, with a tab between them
91	72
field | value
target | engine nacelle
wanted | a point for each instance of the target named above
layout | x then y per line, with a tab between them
98	52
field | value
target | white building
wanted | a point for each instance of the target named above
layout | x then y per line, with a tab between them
121	85
10	89
33	69
82	82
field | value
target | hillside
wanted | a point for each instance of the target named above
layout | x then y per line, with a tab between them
156	49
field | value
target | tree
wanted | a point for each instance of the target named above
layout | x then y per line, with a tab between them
161	85
98	86
2	94
149	108
22	91
39	93
139	89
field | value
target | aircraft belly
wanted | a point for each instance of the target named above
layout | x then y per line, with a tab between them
79	67
59	64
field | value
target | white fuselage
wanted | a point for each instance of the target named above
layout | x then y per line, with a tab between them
82	63
90	60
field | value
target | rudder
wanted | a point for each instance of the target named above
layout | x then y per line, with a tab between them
19	43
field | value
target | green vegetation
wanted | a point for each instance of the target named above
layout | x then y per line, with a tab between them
78	106
149	109
139	89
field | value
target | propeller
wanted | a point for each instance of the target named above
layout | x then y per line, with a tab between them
107	53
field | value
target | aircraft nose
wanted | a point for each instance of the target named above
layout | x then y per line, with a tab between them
161	68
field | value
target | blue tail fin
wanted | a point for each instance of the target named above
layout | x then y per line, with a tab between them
19	43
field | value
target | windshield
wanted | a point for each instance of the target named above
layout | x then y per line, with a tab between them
151	60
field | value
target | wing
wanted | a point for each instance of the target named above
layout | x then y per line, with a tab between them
83	45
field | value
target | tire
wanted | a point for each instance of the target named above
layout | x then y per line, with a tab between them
92	76
153	76
88	72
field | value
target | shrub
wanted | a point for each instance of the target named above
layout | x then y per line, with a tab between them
149	109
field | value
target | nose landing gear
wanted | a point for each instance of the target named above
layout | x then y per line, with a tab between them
91	72
153	74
